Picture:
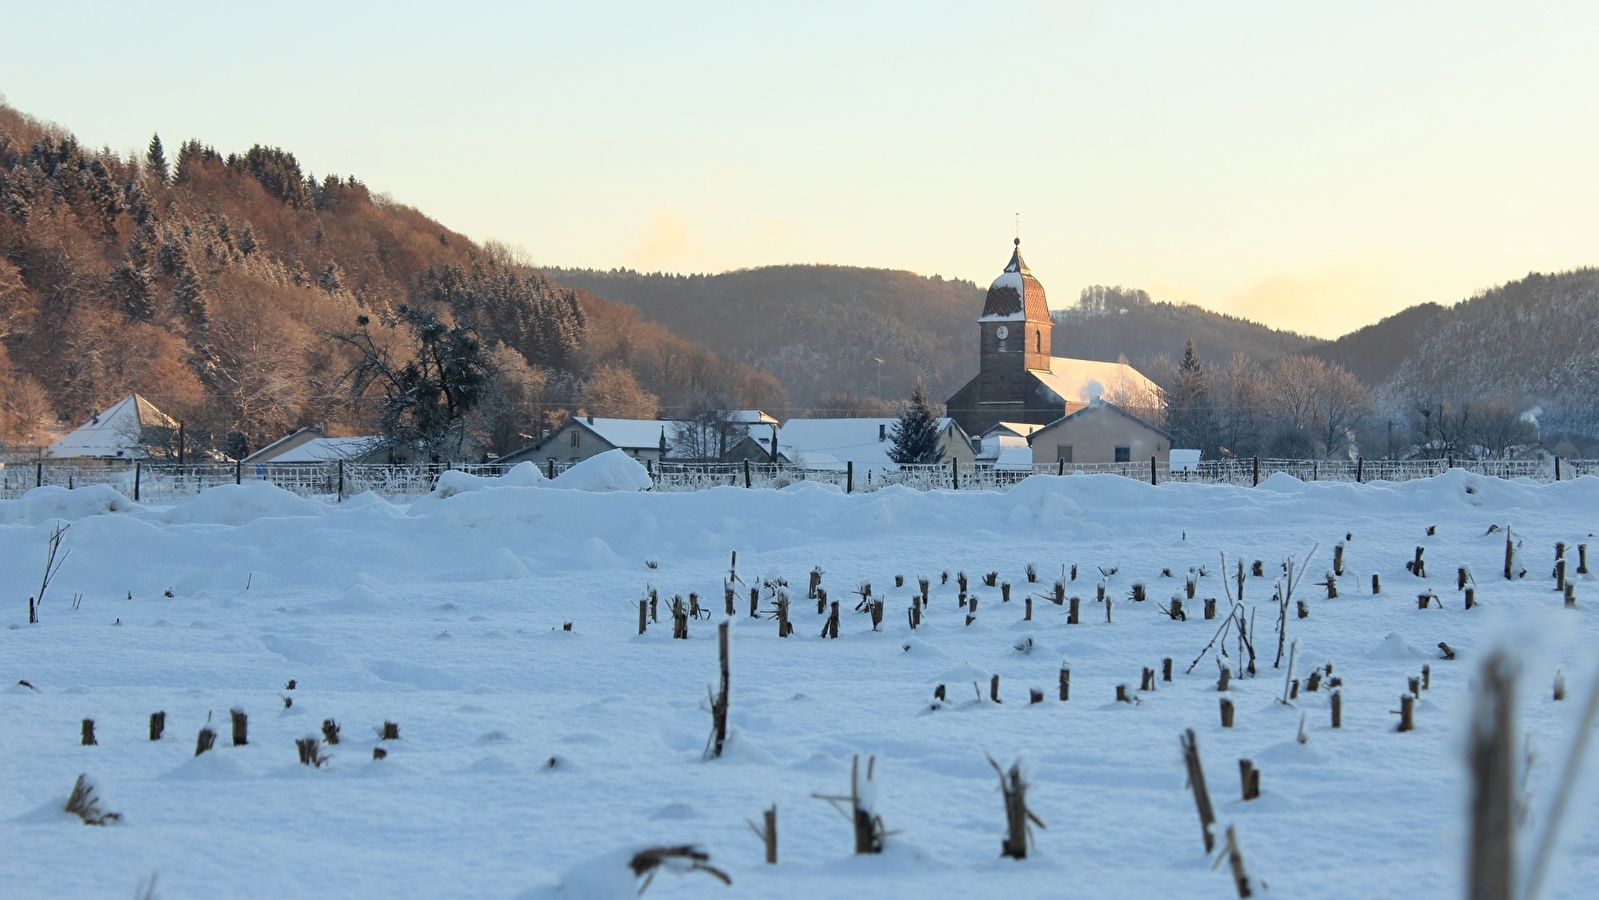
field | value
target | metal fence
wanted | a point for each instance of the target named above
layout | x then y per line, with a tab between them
332	482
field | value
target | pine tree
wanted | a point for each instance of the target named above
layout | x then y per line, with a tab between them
155	159
1188	413
915	435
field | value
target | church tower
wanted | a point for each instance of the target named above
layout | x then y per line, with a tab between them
1015	335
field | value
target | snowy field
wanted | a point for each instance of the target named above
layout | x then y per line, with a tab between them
531	760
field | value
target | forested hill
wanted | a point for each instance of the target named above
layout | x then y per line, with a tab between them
213	284
1533	343
1106	323
819	329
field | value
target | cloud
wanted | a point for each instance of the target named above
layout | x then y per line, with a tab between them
1327	301
666	242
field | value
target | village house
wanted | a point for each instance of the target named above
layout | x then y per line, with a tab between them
581	437
1005	446
309	446
833	443
129	430
1099	433
1018	379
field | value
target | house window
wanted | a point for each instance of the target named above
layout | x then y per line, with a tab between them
577	438
1124	454
1063	452
1038	342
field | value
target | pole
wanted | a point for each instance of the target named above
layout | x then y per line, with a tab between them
955	473
849	476
1152	479
137	471
38	473
1060	466
746	473
180	443
340	498
1557	468
1257	472
552	468
238	471
1360	468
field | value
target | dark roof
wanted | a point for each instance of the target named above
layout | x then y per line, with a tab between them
1101	404
1016	291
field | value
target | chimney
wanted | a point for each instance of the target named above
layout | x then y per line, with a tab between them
882	432
591	420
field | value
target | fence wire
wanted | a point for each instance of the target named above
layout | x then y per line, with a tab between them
331	482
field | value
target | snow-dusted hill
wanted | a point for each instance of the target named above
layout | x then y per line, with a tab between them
532	759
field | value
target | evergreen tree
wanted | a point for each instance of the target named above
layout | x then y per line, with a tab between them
155	159
915	435
1188	412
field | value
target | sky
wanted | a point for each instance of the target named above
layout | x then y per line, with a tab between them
1315	166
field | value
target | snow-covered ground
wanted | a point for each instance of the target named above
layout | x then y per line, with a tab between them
531	756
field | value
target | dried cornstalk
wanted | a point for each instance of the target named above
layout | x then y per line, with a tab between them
1018	833
683	858
868	826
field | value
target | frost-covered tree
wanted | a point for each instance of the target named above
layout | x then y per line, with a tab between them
1188	406
424	400
915	435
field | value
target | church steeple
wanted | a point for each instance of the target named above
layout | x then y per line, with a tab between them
1015	324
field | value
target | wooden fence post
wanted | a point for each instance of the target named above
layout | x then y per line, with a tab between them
238	471
137	471
1360	469
746	473
1257	471
849	476
341	482
1152	479
955	473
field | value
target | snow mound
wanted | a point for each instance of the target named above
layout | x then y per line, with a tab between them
50	502
594	553
240	504
504	566
521	475
358	598
1282	483
213	765
612	470
1394	647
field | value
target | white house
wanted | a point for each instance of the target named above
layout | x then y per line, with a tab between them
113	434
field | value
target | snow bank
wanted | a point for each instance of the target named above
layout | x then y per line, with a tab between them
612	470
239	504
50	502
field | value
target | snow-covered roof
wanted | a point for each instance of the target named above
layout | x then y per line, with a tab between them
749	417
1086	380
1020	429
326	449
629	434
830	443
113	433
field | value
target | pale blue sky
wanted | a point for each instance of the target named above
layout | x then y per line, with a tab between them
1315	166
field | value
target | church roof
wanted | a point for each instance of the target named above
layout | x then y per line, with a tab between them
1015	295
113	433
1087	380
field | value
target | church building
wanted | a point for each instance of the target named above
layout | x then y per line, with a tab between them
1018	379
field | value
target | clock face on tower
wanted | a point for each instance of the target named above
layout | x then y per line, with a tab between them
1002	333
